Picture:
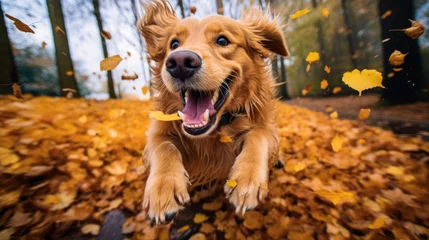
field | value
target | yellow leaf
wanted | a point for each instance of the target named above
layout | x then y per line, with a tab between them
92	229
416	30
307	69
364	80
306	89
183	229
386	14
327	69
334	115
361	141
397	58
145	89
158	115
231	183
294	167
20	25
336	90
199	218
336	197
364	113
325	12
69	73
378	223
312	57
110	63
299	13
225	139
336	143
395	171
324	84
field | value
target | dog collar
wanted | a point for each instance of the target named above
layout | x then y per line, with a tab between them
228	117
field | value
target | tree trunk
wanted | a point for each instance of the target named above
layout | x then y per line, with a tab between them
182	8
283	78
219	7
110	84
8	72
142	49
320	37
62	50
406	85
352	48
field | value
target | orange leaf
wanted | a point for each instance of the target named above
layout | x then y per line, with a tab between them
17	91
325	12
158	115
59	30
336	197
231	183
397	58
336	90
386	14
327	69
337	143
225	139
333	115
69	73
145	89
306	89
364	113
20	25
324	84
110	63
106	34
299	13
199	218
378	223
416	30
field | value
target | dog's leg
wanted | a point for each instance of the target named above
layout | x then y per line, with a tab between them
250	170
166	187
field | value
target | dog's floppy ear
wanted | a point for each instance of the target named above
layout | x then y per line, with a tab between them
264	31
156	26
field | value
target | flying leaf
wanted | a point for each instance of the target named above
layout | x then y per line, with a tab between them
231	183
199	218
92	229
364	113
386	14
327	69
337	143
17	91
378	223
20	25
110	63
158	115
324	84
336	197
69	73
333	115
306	89
44	45
336	90
59	30
193	9
364	80
106	34
307	69
312	57
299	13
397	69
416	30
145	89
325	12
129	77
397	58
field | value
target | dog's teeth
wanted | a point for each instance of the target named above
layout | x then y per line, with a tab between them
200	125
215	96
204	123
181	115
186	94
186	99
206	115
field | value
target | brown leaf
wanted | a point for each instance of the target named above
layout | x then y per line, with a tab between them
92	229
397	58
416	30
19	219
110	63
129	77
193	9
20	25
17	91
106	34
59	30
44	45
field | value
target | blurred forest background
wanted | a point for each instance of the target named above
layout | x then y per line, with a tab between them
72	37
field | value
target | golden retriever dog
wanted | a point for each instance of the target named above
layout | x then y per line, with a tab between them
213	72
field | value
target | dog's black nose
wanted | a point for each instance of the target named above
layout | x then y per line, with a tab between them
183	64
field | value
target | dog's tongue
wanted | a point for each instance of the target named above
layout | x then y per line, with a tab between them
196	105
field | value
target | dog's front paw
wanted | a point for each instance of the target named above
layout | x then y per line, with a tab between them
164	196
251	188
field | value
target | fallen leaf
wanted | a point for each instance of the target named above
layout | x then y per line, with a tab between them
10	198
416	30
364	80
324	84
160	116
106	35
7	157
299	13
193	9
213	206
336	197
325	12
397	58
231	183
364	113
294	167
129	77
294	235
60	201
117	168
183	229
253	220
7	233
20	25
395	171
69	73
336	143
199	218
17	91
19	219
378	223
327	69
336	90
129	226
110	63
386	14
92	229
59	30
145	89
198	236
333	115
207	228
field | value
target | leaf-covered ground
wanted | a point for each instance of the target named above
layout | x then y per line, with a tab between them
66	163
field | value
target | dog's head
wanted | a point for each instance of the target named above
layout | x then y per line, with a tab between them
208	64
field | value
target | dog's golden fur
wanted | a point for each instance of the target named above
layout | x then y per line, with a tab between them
176	158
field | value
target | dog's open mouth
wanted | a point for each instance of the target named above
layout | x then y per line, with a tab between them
200	108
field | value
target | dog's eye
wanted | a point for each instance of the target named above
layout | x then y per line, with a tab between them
222	41
174	44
